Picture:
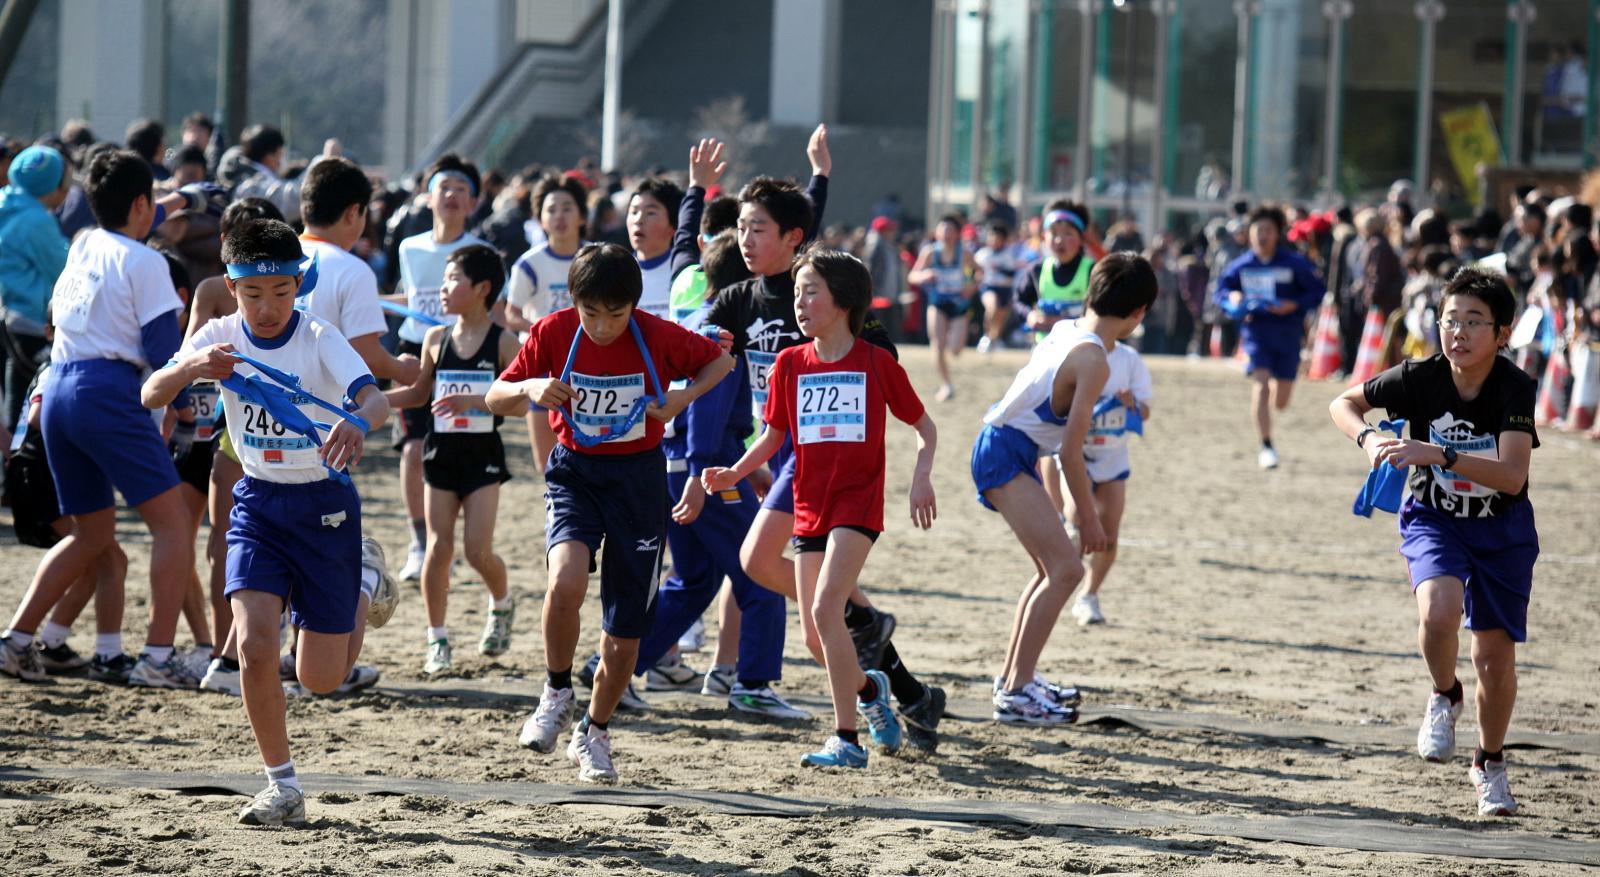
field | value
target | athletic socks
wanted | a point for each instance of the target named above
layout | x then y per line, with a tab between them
868	692
1266	443
109	645
19	640
1479	757
438	633
1454	692
419	532
560	679
369	581
902	684
53	635
158	655
229	664
851	737
856	616
284	775
592	722
501	605
753	683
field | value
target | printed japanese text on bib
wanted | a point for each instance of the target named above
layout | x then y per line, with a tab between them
69	305
1108	431
450	382
1454	493
602	404
268	443
1259	284
832	407
426	300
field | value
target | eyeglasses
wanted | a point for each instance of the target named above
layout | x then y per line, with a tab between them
1449	325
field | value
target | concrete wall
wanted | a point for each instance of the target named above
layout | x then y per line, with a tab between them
700	51
111	63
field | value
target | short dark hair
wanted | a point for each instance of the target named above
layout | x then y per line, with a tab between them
848	280
1269	213
784	202
664	191
1487	287
190	154
261	240
247	210
178	273
1534	211
1000	227
481	264
952	218
145	136
606	275
549	184
1120	284
722	261
332	186
199	120
450	161
722	212
117	178
260	141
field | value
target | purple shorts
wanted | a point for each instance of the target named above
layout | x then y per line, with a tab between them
1493	556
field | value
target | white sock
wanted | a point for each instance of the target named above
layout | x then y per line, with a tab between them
158	655
369	581
53	635
438	633
108	645
19	640
284	775
502	604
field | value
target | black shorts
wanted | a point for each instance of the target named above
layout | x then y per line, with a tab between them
1002	295
413	423
32	493
819	544
463	462
194	465
953	306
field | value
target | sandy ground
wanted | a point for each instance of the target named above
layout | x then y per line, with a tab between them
1249	594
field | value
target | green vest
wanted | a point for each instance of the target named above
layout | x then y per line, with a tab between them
688	292
1076	290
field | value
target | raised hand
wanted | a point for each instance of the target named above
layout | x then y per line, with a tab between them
817	151
706	166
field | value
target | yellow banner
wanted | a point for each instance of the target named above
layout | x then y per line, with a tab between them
1470	136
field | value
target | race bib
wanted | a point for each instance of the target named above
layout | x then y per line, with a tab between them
832	407
425	300
207	399
451	383
602	404
1259	284
1109	431
265	442
1459	485
70	303
760	365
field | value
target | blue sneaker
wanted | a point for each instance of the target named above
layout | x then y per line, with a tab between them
836	753
881	719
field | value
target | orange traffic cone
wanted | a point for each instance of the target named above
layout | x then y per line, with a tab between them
1325	356
1585	387
1369	358
1552	390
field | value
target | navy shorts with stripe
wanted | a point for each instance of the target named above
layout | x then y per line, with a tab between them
301	542
617	506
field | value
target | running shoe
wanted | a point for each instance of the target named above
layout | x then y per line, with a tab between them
885	727
497	632
836	753
1086	610
921	719
1031	707
693	639
632	702
362	676
590	752
1063	695
412	571
553	715
286	670
220	679
197	659
671	674
22	663
1267	459
1494	789
764	701
719	682
114	669
275	805
174	673
61	659
386	595
585	674
1436	739
872	638
985	345
438	657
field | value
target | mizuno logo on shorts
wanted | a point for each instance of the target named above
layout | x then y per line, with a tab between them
647	544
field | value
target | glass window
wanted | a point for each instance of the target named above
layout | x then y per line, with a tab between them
1060	73
1202	55
1555	84
1469	72
968	64
1289	88
1377	140
1124	103
1008	63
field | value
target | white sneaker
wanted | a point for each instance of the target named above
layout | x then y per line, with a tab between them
693	639
386	595
412	571
361	676
1267	459
496	639
719	682
671	674
764	701
590	751
985	345
275	805
1436	739
175	673
632	702
197	660
1086	610
220	679
1062	695
22	663
1031	706
1494	790
438	657
553	715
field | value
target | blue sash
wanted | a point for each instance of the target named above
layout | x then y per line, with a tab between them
1385	485
632	420
279	401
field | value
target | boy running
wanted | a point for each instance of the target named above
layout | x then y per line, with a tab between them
1467	530
945	270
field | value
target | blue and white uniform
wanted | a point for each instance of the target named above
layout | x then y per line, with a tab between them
537	286
1105	448
656	277
422	262
950	278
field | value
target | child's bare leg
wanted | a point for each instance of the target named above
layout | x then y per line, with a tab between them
728	621
256	620
1110	498
563	601
1494	657
1026	508
441	508
1439	604
477	538
833	575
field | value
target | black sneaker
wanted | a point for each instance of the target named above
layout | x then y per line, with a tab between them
922	720
61	659
872	638
114	669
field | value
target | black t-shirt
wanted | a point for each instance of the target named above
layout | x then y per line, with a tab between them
759	312
1422	392
1028	282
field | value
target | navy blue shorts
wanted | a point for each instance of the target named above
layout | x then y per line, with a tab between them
301	542
98	436
1276	351
617	506
1000	454
1493	556
780	496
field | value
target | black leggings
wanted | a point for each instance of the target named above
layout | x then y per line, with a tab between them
22	355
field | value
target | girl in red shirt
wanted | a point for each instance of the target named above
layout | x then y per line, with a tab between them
831	395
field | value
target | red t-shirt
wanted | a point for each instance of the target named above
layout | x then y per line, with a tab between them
608	379
834	412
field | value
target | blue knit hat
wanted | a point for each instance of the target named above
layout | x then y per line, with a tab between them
37	170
